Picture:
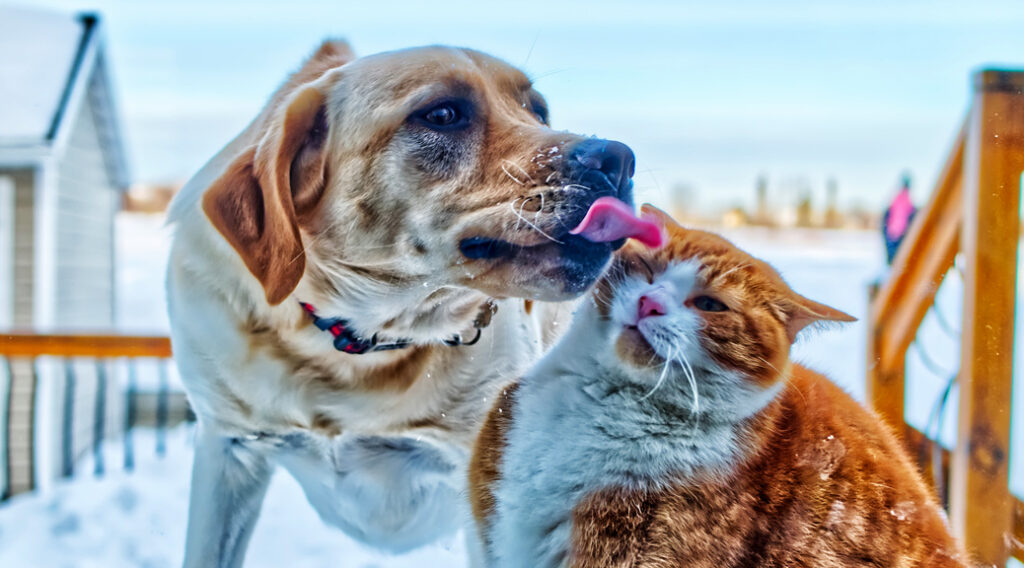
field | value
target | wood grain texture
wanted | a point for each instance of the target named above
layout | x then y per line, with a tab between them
80	345
980	502
901	303
924	448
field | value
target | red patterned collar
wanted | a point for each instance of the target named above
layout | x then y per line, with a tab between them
347	341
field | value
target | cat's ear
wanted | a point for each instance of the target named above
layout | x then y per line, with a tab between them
802	312
662	218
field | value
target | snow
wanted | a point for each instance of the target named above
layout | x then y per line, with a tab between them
143	243
138	519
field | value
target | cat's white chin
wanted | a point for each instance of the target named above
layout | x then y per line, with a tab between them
642	348
652	337
633	349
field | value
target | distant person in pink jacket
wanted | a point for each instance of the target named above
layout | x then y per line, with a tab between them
896	221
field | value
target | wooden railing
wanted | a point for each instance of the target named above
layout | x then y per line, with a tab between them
974	211
81	404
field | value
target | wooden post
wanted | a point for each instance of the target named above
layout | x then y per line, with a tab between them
886	390
886	384
901	303
981	506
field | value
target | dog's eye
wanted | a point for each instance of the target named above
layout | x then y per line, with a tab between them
447	115
709	304
443	115
540	111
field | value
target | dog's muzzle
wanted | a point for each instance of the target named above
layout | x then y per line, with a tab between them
600	168
595	168
591	169
604	166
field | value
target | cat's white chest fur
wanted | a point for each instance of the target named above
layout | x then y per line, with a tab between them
585	421
577	431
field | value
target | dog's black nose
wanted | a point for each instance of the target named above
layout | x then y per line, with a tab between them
614	159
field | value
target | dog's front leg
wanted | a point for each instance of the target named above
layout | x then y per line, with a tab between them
229	481
475	553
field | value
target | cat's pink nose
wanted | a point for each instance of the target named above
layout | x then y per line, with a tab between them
649	306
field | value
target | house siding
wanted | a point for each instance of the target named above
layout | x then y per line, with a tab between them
61	273
19	380
23	285
19	470
6	251
86	204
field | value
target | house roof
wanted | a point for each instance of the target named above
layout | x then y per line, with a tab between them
52	63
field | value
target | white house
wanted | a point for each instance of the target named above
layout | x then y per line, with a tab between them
62	174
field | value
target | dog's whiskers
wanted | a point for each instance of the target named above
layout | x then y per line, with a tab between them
576	186
298	255
533	226
519	216
521	207
506	164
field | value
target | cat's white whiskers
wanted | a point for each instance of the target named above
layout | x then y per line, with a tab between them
602	302
654	355
765	361
661	378
730	271
691	378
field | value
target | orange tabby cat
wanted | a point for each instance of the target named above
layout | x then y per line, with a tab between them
669	429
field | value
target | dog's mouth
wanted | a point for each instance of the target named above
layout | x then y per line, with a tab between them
569	260
546	271
482	248
607	223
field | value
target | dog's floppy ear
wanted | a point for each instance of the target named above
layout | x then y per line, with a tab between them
258	201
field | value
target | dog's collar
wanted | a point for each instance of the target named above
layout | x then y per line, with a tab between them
346	340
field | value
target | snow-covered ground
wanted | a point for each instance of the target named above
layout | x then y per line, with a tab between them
138	519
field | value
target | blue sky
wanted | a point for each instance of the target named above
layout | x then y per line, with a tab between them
710	95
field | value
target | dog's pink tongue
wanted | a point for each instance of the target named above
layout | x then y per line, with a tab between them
610	220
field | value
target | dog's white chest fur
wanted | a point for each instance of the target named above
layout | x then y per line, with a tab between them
393	492
382	482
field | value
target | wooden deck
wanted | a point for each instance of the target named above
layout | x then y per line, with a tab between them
974	211
93	394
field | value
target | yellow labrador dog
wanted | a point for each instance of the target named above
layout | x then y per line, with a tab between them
352	279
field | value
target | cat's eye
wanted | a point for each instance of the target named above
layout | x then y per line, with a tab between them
709	304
